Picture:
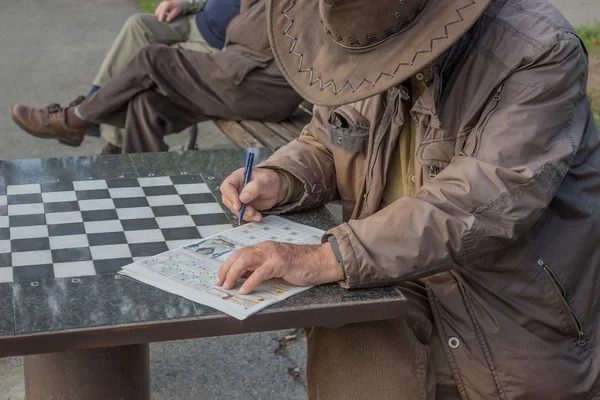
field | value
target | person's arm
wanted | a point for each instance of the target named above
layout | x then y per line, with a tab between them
481	202
168	10
307	164
192	6
302	173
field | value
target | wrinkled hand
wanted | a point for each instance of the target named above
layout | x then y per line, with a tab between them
168	10
265	189
298	265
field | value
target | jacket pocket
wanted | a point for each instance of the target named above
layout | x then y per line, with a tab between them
436	155
348	129
472	149
243	66
233	66
575	321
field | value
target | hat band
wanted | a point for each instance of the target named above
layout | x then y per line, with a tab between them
371	41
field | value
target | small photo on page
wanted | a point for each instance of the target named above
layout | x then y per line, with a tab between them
213	248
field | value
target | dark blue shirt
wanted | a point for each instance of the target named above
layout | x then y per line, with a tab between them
212	21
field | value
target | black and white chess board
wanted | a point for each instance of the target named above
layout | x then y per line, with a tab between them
71	229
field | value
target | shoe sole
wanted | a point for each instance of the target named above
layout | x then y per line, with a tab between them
71	143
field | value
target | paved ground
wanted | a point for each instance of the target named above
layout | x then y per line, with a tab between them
50	52
579	12
254	366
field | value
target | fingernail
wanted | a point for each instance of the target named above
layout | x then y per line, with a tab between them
236	207
250	213
245	197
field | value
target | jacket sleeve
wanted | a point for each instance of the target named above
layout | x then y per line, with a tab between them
192	6
481	202
309	161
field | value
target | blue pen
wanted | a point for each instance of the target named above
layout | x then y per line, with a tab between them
249	164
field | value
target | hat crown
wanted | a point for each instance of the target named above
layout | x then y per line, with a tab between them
364	23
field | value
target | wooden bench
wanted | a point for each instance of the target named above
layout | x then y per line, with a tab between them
249	133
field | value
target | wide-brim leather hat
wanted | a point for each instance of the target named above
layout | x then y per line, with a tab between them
336	52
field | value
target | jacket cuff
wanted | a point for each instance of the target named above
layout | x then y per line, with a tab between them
349	262
295	188
192	6
298	188
335	247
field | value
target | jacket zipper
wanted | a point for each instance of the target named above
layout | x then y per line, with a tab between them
379	138
577	324
496	99
433	171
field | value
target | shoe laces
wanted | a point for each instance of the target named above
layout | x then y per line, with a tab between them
53	108
55	111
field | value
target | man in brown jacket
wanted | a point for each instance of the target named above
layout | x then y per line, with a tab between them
164	90
459	136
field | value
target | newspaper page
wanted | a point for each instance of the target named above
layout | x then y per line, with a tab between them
191	271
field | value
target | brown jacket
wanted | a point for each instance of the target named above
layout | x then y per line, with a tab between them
245	75
505	226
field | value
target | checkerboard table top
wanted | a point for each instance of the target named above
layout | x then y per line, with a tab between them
79	228
68	224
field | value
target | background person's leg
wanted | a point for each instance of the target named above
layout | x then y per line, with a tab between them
158	74
150	116
195	41
139	31
112	135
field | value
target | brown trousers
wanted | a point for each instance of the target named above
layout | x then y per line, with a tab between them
164	90
400	359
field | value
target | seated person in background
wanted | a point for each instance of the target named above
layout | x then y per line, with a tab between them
165	89
197	25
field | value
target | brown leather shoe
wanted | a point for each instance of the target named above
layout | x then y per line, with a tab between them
111	149
50	123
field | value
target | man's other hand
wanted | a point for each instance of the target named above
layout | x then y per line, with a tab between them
298	265
168	10
266	189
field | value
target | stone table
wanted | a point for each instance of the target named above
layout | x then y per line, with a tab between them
86	337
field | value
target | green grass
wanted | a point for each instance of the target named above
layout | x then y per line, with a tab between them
595	97
148	6
590	36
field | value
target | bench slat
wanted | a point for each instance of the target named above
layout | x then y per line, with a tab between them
302	115
298	123
237	134
265	135
300	118
281	131
291	128
306	107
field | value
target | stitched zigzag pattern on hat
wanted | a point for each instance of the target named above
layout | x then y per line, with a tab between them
347	83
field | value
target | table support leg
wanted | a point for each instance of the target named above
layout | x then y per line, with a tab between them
114	373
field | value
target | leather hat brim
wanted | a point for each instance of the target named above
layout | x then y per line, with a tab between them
325	73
